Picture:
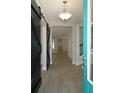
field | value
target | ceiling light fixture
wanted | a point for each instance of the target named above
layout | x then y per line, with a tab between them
65	15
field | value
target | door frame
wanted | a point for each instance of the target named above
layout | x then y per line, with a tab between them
86	82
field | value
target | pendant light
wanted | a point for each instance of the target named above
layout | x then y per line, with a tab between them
65	15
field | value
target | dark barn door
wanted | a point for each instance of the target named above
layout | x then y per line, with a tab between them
48	46
35	48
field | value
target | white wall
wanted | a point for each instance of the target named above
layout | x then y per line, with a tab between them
60	44
65	44
44	48
75	45
81	35
70	45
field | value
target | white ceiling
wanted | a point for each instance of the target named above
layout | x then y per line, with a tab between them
52	8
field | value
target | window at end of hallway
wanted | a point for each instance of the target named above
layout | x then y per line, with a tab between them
53	44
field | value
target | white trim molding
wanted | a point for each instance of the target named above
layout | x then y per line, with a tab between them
44	68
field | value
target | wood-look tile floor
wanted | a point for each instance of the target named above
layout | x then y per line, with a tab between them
62	76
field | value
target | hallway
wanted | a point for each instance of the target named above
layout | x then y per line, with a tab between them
62	76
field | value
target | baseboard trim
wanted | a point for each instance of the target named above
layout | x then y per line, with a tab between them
77	64
51	62
73	62
44	68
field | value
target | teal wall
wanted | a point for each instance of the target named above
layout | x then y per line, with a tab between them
90	88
